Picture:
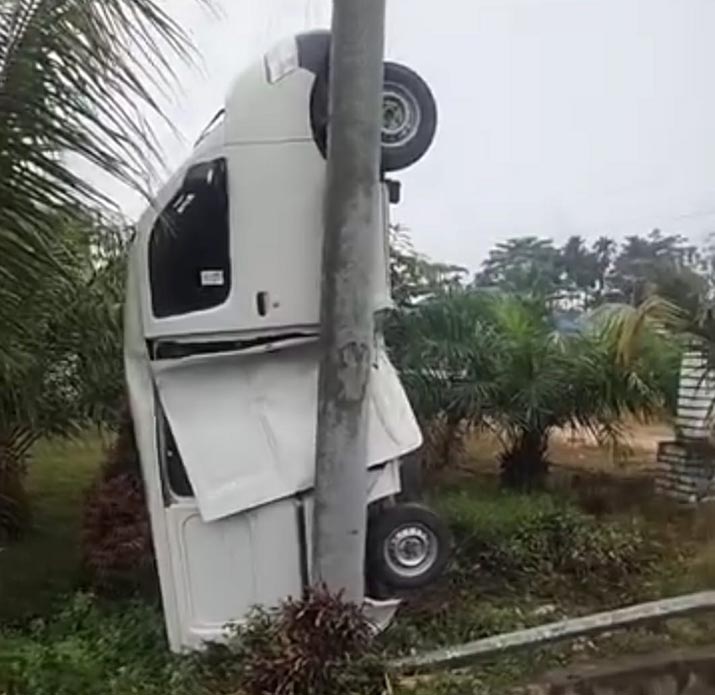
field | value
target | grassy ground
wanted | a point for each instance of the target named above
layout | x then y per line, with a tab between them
521	560
45	565
525	560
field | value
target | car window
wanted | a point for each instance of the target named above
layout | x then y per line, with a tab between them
189	256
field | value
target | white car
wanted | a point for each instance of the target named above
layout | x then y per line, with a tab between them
221	353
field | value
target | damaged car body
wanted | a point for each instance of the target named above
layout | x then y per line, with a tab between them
222	353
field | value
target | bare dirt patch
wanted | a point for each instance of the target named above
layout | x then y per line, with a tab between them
580	450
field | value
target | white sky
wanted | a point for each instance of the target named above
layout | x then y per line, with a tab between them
556	116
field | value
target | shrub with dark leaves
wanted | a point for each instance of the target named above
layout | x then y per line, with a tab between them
15	515
319	645
116	534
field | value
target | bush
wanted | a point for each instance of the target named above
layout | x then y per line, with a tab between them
545	542
116	537
522	560
318	645
116	532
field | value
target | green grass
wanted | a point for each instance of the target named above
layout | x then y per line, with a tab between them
44	565
484	510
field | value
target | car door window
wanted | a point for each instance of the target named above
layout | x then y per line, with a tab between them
189	256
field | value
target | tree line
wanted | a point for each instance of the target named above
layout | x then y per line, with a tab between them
581	275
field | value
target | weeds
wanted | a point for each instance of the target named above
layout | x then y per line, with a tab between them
522	560
544	543
88	649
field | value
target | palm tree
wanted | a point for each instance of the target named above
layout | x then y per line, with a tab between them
76	77
546	380
604	250
67	368
690	331
77	80
499	361
443	349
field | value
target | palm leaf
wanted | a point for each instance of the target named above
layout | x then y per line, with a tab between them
76	77
627	325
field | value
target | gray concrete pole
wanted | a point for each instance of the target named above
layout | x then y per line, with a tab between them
351	226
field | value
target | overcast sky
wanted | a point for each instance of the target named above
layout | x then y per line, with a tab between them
557	117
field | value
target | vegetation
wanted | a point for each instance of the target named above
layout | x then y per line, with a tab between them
318	645
585	277
546	543
76	77
46	564
500	362
413	275
548	338
63	373
518	553
521	560
117	548
523	265
93	649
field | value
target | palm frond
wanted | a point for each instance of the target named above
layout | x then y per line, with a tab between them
627	325
76	78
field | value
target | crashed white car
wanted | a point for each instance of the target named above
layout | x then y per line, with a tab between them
221	353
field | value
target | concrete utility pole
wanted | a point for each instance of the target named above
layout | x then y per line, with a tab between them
351	224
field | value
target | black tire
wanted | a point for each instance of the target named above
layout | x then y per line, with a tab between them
385	568
408	143
409	95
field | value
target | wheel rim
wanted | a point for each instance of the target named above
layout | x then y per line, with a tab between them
401	115
411	550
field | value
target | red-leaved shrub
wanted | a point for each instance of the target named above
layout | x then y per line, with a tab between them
318	645
116	534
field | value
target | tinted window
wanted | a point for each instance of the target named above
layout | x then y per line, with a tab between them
189	263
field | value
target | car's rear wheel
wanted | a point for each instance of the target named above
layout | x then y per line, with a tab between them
408	547
409	116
